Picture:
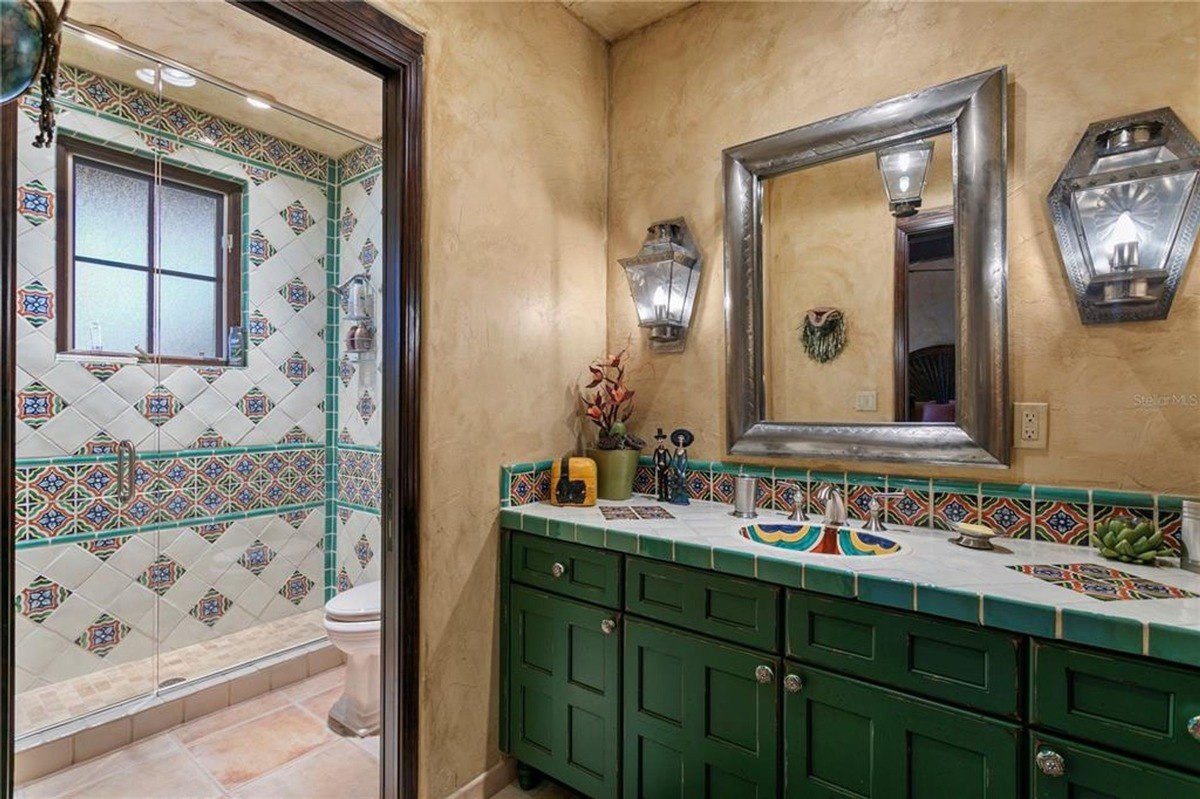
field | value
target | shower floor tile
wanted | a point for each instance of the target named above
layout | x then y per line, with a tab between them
43	707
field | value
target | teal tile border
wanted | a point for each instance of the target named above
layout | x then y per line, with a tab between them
824	580
1123	499
1009	490
781	572
1020	617
1180	644
1109	632
880	590
948	602
733	561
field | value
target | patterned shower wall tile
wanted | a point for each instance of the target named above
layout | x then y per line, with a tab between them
103	635
209	439
296	436
367	255
722	487
255	405
159	406
259	327
296	588
343	580
258	175
296	368
955	502
38	600
297	217
35	303
105	548
211	607
37	404
161	575
259	248
365	406
99	444
212	532
363	551
643	479
257	557
35	202
297	294
347	223
345	370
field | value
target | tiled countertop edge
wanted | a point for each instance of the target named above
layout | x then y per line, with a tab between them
1166	642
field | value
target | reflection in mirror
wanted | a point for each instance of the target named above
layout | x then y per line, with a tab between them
872	239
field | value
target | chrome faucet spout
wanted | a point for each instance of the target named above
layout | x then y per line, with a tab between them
835	506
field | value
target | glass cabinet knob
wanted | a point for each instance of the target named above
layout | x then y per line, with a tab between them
1051	763
558	570
608	626
1193	727
764	675
793	684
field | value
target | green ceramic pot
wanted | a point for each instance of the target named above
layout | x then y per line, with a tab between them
615	469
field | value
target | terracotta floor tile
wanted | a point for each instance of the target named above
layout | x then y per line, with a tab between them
547	790
316	685
370	745
249	750
139	754
338	770
229	717
319	705
174	776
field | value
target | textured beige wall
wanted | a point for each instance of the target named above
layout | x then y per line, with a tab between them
830	240
716	75
514	308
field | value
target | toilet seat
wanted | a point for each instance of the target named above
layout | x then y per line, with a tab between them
359	604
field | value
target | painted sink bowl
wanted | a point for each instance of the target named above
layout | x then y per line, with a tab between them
820	540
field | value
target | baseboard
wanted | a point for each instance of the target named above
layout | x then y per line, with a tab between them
490	782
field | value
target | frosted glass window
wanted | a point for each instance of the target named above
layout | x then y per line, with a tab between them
149	269
187	314
190	224
111	213
110	308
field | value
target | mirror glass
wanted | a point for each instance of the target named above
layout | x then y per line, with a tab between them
859	315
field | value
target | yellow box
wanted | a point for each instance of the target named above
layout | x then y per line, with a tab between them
579	489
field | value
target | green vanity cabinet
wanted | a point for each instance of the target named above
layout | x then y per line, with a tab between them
701	717
1060	769
846	738
565	690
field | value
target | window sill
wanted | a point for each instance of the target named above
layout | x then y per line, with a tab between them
125	360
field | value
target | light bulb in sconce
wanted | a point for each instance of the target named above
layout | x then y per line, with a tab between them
905	183
1124	236
660	303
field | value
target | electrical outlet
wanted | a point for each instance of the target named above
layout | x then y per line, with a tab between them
865	401
1030	423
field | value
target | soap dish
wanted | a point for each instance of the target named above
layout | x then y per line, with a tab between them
974	536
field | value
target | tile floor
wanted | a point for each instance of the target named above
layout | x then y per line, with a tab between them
275	746
547	790
44	707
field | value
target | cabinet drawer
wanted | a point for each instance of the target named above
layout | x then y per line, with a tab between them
740	611
969	666
1127	704
1094	774
584	573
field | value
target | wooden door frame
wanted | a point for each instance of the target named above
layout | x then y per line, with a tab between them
906	227
379	43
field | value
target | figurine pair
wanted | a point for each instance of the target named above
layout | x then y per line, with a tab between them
670	471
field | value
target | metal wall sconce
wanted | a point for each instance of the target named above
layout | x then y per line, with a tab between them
905	168
1126	210
663	278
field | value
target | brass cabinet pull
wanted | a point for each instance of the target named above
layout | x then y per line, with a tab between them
764	675
793	684
558	570
1051	763
1193	727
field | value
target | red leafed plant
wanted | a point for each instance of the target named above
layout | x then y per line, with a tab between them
608	403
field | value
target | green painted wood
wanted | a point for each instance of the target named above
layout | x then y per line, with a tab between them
593	575
505	639
564	673
1128	704
944	660
697	724
1095	774
742	611
844	738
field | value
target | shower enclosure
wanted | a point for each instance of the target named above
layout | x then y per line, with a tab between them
198	374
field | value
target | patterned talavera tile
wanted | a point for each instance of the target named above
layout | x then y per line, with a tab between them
296	293
296	588
912	509
259	247
255	405
1007	509
345	370
698	484
367	255
859	490
1061	515
35	202
38	600
102	635
211	607
161	575
1170	521
297	217
159	406
643	479
365	406
259	327
37	404
1110	505
955	502
1102	582
35	303
296	368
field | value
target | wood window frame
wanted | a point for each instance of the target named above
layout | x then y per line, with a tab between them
228	279
907	227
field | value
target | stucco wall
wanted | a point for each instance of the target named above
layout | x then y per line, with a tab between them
717	75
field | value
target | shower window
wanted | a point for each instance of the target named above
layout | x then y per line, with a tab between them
151	266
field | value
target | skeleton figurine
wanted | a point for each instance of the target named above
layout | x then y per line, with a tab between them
662	468
682	439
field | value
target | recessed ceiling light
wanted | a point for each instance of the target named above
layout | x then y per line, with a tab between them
145	75
171	75
100	41
257	103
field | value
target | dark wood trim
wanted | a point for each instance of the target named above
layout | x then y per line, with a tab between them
372	39
8	451
906	227
228	282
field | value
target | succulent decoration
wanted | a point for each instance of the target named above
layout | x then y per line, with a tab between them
823	333
608	403
1129	541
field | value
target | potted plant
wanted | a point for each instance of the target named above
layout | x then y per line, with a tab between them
608	403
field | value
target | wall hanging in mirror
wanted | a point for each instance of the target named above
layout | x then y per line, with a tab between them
823	333
1126	210
29	49
663	278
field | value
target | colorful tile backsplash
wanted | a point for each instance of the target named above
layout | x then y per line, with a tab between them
1060	515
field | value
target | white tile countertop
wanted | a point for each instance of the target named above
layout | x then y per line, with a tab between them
929	575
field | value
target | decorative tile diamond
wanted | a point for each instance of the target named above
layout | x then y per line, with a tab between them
296	436
296	588
950	509
259	248
347	223
1102	582
255	405
343	580
160	575
35	202
35	303
105	548
296	293
209	439
367	255
99	444
365	406
256	557
211	532
297	217
159	406
257	174
344	436
211	607
363	551
345	370
296	368
1007	515
37	404
103	635
296	518
1061	522
101	370
259	327
368	183
160	144
41	598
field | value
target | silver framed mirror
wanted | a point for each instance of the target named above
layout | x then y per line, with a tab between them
972	113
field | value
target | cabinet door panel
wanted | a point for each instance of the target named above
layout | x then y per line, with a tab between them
1093	774
565	691
844	738
592	575
697	722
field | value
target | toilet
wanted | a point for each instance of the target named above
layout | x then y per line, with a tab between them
352	623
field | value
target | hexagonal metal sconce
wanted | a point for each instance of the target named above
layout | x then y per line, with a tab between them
1126	210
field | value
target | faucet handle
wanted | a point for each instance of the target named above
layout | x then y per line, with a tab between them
797	514
878	506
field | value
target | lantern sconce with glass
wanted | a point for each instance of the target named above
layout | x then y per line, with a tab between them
1126	210
905	168
663	278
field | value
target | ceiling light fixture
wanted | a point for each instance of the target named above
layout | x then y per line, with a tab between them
257	103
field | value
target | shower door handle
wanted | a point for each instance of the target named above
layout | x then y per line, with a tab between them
126	471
